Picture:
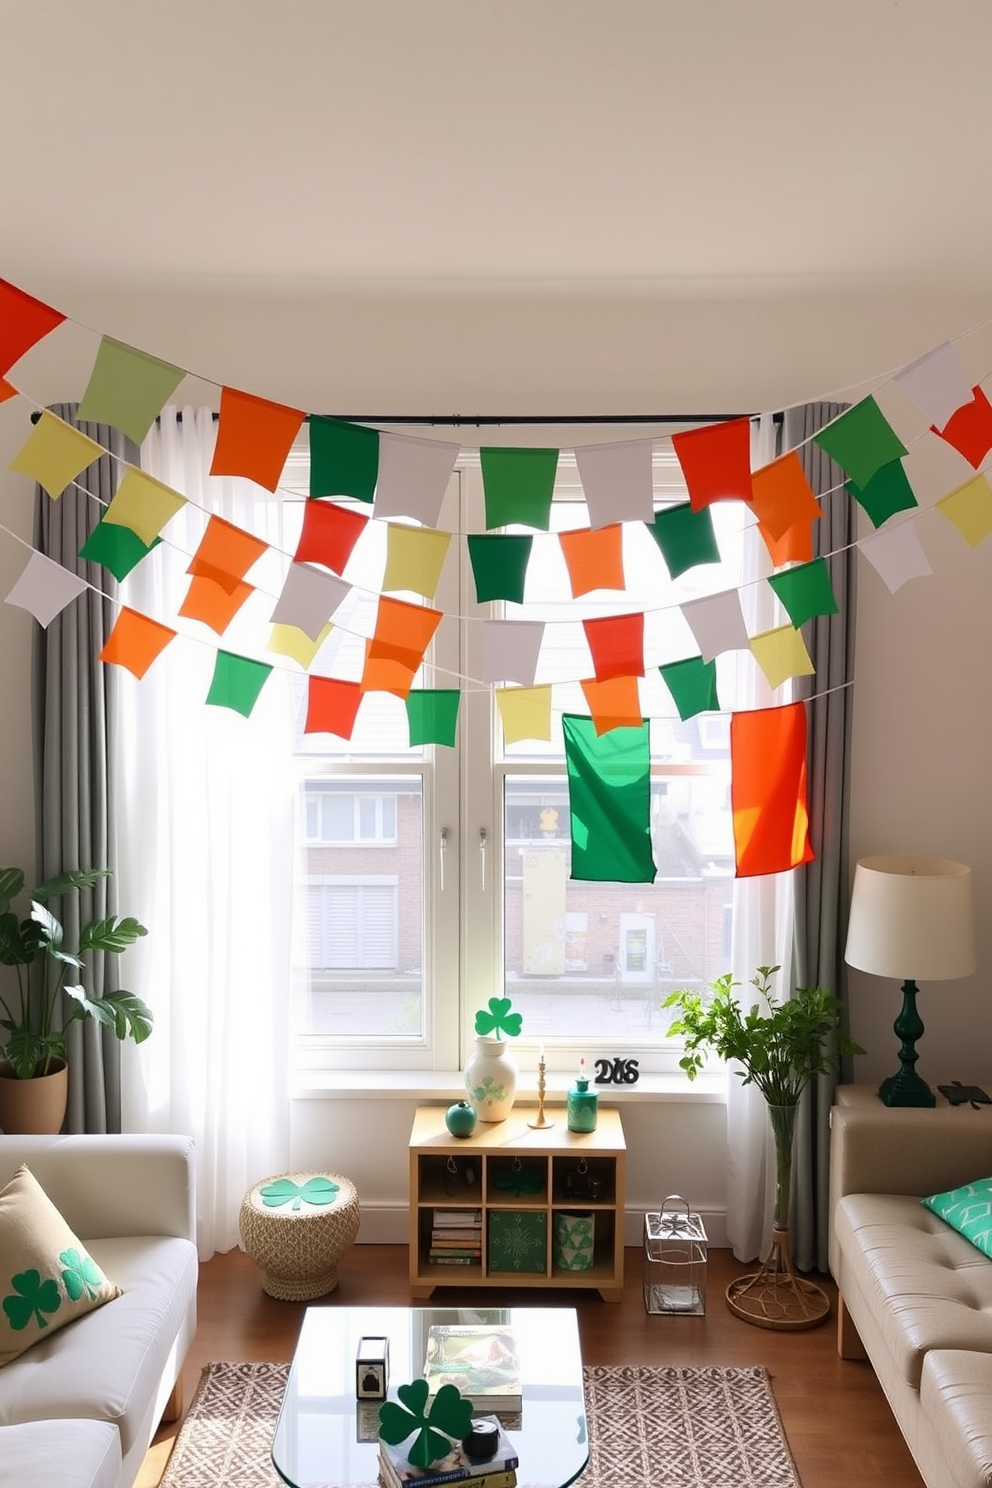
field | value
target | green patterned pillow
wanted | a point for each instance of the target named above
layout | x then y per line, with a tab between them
47	1276
968	1210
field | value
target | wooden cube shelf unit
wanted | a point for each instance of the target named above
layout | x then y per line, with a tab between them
519	1179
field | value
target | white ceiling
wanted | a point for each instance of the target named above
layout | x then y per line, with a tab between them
708	146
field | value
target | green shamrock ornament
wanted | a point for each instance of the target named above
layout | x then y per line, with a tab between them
450	1416
499	1019
520	1182
316	1191
36	1297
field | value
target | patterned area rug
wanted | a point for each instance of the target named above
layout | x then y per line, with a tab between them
674	1428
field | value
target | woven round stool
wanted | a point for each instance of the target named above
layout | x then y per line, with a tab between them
296	1227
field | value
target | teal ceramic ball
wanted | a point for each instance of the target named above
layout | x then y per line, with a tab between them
460	1119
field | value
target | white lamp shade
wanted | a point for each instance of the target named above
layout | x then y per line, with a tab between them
912	918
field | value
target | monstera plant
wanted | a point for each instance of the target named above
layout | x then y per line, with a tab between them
40	988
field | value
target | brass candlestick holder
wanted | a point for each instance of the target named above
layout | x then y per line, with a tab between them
540	1122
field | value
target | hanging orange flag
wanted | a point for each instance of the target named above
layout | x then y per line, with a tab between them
135	641
386	674
594	558
332	706
226	553
329	534
716	462
23	322
783	496
402	632
613	704
7	390
794	546
617	646
768	790
214	599
254	437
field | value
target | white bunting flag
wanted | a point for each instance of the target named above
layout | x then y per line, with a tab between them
897	555
510	650
717	623
937	384
617	481
45	588
413	477
308	599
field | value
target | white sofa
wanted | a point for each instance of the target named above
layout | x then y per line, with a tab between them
915	1296
79	1409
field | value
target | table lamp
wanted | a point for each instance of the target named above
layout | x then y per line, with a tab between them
911	915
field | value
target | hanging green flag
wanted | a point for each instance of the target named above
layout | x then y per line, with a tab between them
692	684
499	566
886	493
862	440
432	715
116	548
518	485
609	796
344	458
805	591
237	682
685	537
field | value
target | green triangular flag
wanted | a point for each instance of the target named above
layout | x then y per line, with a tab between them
344	458
127	389
609	797
432	715
237	682
861	440
692	684
519	485
685	537
499	566
805	591
116	548
886	493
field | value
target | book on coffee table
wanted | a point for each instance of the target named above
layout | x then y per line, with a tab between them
497	1471
480	1359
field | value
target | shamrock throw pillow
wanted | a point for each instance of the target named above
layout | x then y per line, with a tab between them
47	1276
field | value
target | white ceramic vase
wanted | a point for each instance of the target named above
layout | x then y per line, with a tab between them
491	1079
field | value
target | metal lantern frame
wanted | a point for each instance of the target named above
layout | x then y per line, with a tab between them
675	1260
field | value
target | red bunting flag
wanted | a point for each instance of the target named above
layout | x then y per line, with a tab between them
716	462
23	322
254	437
332	706
329	534
768	790
969	430
617	646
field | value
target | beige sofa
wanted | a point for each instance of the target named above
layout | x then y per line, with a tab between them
915	1296
79	1409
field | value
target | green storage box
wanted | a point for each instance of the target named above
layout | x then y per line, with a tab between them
518	1241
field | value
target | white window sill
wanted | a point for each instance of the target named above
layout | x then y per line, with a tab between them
708	1087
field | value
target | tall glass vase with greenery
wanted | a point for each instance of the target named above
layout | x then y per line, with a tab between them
778	1047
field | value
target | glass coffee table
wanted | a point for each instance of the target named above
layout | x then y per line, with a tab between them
326	1438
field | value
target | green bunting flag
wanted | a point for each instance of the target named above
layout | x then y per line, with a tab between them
685	537
518	485
432	715
237	682
692	684
886	493
609	795
127	389
344	458
116	548
861	440
805	591
499	566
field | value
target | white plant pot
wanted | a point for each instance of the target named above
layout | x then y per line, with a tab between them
491	1079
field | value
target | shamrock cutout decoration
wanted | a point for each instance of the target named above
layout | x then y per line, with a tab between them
36	1297
81	1274
449	1416
522	1181
499	1019
316	1191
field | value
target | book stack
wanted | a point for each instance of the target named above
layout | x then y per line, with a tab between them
456	1237
497	1471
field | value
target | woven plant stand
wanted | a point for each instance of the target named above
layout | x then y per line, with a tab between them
298	1244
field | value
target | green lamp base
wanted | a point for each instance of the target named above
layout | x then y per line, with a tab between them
907	1088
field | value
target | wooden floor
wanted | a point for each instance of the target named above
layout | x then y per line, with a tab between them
836	1418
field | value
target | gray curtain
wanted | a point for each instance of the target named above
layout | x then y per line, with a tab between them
74	740
822	886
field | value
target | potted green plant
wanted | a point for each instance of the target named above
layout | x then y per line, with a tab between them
779	1047
40	988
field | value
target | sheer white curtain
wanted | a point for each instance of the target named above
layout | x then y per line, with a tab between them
763	922
207	808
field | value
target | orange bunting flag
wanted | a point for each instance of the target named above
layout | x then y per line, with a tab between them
226	553
329	534
768	790
716	462
594	558
386	674
617	645
254	437
332	706
402	632
7	390
135	641
794	546
783	496
215	599
613	704
23	322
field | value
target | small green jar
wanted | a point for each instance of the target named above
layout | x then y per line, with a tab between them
583	1104
460	1119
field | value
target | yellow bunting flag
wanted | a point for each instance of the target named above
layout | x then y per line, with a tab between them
54	453
135	641
127	389
781	654
414	558
291	641
143	504
524	712
969	509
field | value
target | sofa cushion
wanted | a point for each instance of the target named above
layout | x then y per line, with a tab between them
108	1366
955	1391
60	1454
968	1210
47	1276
